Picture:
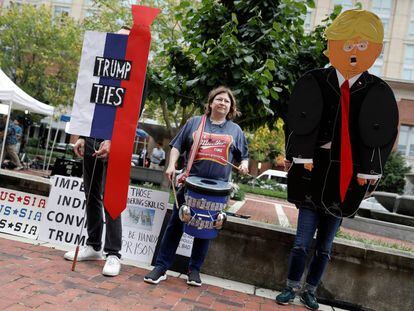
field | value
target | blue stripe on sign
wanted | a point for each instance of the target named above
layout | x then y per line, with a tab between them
104	115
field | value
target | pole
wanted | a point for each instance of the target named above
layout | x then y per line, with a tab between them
75	258
53	146
6	128
47	142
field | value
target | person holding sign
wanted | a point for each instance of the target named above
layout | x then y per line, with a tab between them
221	142
343	123
95	153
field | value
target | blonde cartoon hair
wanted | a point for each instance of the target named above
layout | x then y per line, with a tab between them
355	23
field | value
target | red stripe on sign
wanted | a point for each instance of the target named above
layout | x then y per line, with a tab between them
123	135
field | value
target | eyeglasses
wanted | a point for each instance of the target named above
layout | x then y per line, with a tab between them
221	100
360	45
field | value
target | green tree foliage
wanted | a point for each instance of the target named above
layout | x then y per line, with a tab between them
394	174
258	48
39	53
266	144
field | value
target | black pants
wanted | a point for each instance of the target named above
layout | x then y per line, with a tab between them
94	214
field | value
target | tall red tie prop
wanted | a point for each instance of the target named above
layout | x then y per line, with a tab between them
346	166
119	165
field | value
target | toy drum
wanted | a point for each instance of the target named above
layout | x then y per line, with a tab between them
204	201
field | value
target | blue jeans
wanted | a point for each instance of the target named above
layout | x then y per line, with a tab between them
171	239
308	222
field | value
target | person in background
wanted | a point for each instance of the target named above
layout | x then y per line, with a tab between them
10	146
157	156
19	134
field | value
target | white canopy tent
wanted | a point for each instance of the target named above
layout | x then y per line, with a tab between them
12	97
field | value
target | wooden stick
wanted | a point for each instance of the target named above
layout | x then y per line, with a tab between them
75	259
223	159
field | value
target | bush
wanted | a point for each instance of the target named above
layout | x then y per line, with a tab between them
266	192
239	195
32	142
394	174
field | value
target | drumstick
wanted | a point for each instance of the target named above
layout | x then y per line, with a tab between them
222	158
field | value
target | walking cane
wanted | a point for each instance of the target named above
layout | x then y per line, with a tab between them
223	159
75	258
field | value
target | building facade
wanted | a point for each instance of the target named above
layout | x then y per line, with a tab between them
77	9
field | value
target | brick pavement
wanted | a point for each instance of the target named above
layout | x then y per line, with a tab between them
37	277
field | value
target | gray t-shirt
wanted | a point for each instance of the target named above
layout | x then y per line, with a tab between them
157	155
220	143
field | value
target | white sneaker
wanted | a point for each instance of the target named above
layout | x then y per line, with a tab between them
112	266
85	253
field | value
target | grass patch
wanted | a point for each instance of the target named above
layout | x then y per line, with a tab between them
265	192
347	236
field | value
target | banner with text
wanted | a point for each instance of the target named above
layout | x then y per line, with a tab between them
141	223
65	210
21	212
141	220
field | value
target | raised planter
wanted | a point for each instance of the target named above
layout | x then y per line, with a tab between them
386	199
406	205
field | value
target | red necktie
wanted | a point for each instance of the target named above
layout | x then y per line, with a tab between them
346	152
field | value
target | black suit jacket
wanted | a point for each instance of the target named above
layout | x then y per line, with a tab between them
314	119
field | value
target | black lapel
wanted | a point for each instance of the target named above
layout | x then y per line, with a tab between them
362	82
332	80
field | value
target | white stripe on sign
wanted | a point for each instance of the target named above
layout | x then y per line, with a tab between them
236	206
283	220
83	111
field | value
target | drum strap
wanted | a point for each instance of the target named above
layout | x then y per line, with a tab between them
194	149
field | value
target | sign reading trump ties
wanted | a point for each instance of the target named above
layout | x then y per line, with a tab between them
141	220
21	212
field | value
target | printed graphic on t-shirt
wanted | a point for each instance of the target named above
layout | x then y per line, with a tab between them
214	147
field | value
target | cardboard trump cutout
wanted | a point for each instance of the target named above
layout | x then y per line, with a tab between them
342	120
108	97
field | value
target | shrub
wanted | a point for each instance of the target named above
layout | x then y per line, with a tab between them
394	174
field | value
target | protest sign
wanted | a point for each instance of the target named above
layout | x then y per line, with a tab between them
141	223
21	212
64	214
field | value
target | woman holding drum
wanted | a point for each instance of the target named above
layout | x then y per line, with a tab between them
218	141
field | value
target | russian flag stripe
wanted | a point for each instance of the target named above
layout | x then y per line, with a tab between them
83	110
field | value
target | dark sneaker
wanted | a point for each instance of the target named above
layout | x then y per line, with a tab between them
286	296
193	278
309	300
155	276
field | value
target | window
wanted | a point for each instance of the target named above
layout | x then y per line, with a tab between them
377	68
383	8
308	19
89	13
411	28
346	4
408	67
61	10
406	140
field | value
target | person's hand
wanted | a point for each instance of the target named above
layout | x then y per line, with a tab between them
287	164
308	166
169	172
244	168
104	149
363	181
79	147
